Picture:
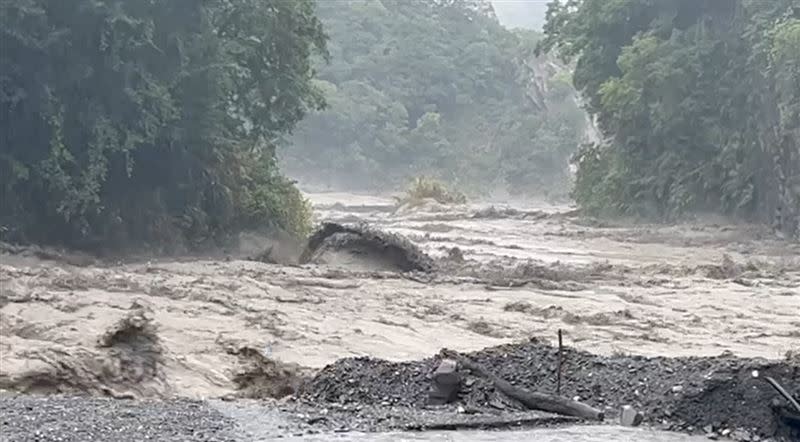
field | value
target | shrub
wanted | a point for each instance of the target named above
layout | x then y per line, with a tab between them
423	188
272	200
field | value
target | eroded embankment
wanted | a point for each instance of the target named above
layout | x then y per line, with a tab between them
128	361
125	362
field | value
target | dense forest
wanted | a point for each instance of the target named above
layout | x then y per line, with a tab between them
129	121
440	89
699	101
161	123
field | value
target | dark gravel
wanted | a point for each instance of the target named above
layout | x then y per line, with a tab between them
28	418
695	395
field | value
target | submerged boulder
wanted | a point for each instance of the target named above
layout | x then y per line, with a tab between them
361	245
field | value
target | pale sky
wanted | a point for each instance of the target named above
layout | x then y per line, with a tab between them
527	14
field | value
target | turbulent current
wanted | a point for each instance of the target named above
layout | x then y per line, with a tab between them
214	328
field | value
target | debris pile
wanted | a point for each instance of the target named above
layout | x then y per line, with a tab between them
708	395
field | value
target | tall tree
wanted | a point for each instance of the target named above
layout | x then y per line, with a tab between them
141	120
699	99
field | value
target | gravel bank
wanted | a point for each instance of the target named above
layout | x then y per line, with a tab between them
40	419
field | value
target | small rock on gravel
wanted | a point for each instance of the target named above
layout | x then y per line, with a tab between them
629	417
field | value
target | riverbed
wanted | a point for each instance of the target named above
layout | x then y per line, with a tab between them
509	271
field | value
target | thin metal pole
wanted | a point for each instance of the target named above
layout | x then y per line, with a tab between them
560	360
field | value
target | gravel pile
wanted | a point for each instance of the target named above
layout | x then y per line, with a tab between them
716	395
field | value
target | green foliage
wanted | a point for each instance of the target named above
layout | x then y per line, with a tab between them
420	88
271	200
426	188
130	121
700	100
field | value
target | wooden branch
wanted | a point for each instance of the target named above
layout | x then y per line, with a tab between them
783	393
532	400
490	424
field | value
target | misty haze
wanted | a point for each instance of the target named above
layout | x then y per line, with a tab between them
473	220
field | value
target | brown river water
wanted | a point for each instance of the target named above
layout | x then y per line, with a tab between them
528	269
574	434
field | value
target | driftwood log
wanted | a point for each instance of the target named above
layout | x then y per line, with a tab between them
783	393
531	399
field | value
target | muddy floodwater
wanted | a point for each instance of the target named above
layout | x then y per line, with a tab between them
506	272
258	423
574	434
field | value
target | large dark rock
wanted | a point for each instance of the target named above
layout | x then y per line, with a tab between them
445	383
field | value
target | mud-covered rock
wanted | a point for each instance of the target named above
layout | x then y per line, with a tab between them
259	377
376	248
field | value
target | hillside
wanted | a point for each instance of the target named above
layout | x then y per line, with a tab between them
440	89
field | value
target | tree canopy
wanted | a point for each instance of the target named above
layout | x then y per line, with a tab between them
434	88
151	121
700	101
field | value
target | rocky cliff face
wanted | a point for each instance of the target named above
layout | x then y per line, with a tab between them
538	73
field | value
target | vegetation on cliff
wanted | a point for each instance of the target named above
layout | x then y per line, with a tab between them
700	100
